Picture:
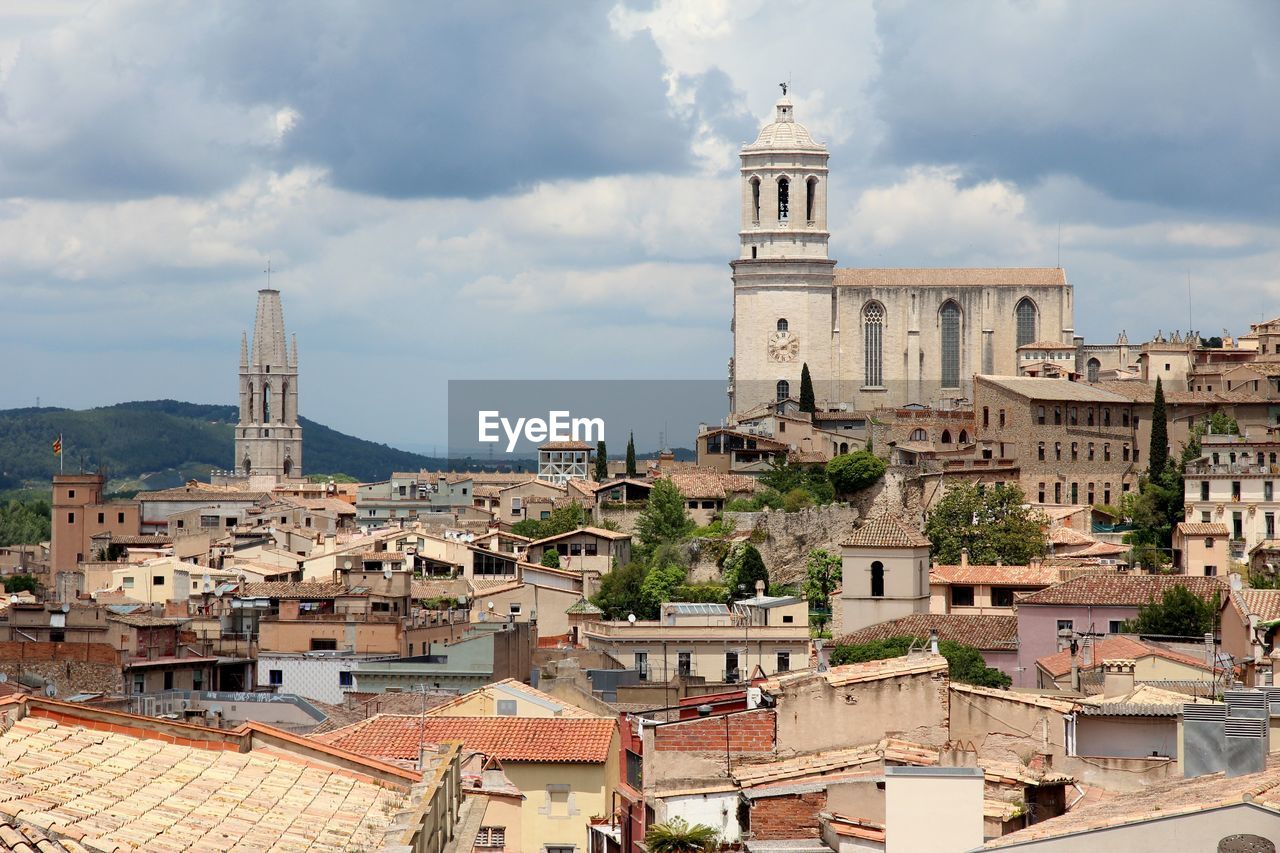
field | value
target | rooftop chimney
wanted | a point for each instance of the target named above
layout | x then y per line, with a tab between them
1117	677
822	655
964	558
759	589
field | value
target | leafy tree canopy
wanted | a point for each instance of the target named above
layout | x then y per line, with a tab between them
551	558
807	401
663	519
964	663
1179	613
20	583
822	576
743	566
619	593
785	476
561	520
659	586
24	522
992	522
853	472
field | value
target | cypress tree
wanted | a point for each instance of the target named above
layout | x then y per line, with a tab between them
602	462
631	455
1158	455
807	402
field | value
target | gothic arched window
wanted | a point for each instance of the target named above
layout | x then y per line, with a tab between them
284	401
248	468
782	324
811	201
873	344
784	199
949	321
755	201
1094	367
877	579
1025	315
784	389
266	404
946	436
964	437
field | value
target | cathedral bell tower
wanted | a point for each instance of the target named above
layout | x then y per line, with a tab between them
268	438
783	281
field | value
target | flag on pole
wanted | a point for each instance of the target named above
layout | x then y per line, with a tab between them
57	446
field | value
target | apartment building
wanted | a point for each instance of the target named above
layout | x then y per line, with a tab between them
1233	483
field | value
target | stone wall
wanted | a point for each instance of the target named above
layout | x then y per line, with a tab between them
786	538
71	667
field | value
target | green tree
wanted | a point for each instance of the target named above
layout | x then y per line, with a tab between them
663	518
25	522
20	583
631	455
807	401
561	520
1158	455
1179	613
784	475
853	472
551	558
677	836
796	500
743	566
602	462
705	593
658	586
964	663
822	576
619	592
1219	423
991	521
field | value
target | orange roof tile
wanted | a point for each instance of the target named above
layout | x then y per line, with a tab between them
548	740
1113	648
1119	590
989	633
886	531
1196	528
995	575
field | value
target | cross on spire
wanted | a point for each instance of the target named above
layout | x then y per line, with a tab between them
268	272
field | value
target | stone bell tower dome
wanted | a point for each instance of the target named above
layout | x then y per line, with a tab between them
268	437
783	280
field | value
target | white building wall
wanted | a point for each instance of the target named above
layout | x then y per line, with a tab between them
718	810
311	678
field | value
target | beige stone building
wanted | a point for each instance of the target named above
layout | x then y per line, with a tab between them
268	437
871	337
885	571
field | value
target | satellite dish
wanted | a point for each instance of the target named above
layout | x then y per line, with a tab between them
3	678
13	599
346	564
50	690
386	573
66	607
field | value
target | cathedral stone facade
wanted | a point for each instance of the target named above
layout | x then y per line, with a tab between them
268	438
871	337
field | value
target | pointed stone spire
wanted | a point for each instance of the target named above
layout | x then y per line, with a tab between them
244	349
269	347
293	356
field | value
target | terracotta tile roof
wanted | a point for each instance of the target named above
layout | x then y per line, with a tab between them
952	277
146	620
1117	590
1102	549
1196	528
116	791
384	556
544	740
202	492
995	575
1115	648
291	589
582	607
138	541
1062	706
1160	801
710	485
599	532
1033	388
1263	603
886	531
854	673
1059	535
988	633
438	588
24	838
362	706
506	689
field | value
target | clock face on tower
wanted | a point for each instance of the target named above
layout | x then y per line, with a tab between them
783	346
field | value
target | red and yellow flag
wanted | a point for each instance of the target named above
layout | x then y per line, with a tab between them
57	446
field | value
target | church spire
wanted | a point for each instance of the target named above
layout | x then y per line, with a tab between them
244	350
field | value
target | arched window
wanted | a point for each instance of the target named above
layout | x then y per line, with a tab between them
919	435
248	468
782	324
252	410
288	467
811	200
873	344
946	436
844	447
266	404
784	199
784	389
964	437
284	401
877	579
1025	314
755	201
949	321
1093	367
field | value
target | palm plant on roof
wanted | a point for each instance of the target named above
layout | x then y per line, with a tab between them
678	836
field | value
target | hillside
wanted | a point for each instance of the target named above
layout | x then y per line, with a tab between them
161	443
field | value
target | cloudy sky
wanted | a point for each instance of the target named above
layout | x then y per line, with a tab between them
548	189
